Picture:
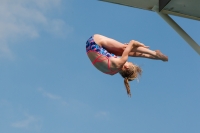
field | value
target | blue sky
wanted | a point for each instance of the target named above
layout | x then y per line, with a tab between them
48	85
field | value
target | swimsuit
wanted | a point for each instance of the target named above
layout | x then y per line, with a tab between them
91	46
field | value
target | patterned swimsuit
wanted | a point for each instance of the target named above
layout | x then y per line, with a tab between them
91	46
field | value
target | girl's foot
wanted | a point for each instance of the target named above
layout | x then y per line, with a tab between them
161	56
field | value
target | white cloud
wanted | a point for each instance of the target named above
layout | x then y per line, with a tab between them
10	114
5	52
103	115
30	122
26	19
73	105
49	95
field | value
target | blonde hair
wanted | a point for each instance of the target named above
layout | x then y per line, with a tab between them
130	74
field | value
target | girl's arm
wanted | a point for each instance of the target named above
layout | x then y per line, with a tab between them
124	57
126	52
128	49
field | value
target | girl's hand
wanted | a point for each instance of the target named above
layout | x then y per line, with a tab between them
139	44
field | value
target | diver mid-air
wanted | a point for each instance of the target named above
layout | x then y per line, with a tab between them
103	53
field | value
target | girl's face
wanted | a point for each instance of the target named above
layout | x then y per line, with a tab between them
127	65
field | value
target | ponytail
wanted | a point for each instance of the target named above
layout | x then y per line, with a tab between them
129	75
126	83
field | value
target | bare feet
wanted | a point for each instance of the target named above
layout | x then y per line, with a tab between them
161	56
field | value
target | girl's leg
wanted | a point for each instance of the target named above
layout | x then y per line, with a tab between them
147	53
110	44
143	55
144	50
118	48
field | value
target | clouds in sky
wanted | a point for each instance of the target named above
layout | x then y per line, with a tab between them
49	95
76	106
30	123
18	117
103	115
21	19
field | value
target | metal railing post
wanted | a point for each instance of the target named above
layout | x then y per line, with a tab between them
178	29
